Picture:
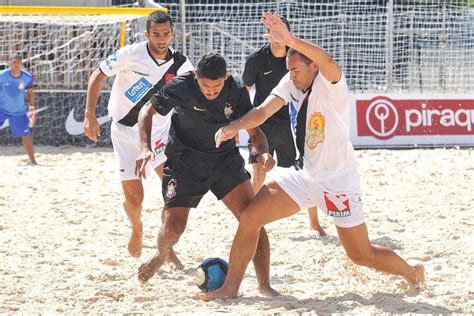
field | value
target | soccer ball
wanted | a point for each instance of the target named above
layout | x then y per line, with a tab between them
211	273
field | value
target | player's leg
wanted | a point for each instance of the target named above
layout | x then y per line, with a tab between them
236	200
159	139
173	258
270	204
345	206
28	145
359	249
174	221
314	221
19	128
181	191
126	151
133	194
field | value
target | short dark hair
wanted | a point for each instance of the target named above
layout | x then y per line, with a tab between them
285	21
158	17
292	52
211	66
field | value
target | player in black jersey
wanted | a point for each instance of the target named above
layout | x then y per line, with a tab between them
264	70
203	102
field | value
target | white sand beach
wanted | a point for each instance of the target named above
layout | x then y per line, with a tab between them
64	234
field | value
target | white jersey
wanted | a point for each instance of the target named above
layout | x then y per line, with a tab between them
328	151
136	71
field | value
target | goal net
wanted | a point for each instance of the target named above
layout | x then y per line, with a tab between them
61	47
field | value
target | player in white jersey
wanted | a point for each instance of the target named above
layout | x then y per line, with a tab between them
329	175
140	70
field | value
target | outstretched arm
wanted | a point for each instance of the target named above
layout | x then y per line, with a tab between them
279	32
252	119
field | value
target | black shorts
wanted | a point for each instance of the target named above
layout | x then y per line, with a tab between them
280	141
187	179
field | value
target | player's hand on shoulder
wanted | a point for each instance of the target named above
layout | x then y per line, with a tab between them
143	158
91	127
265	162
225	133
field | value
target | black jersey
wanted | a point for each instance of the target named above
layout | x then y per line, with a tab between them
265	71
195	119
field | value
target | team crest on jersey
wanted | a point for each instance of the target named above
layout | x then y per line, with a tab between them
169	77
315	130
21	85
159	147
171	189
337	204
228	111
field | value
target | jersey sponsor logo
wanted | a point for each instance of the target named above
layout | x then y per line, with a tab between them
74	127
171	189
267	72
315	131
228	111
337	204
138	90
6	123
159	147
195	108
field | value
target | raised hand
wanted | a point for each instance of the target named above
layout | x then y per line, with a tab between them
277	30
143	158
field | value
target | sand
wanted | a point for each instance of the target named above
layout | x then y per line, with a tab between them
64	233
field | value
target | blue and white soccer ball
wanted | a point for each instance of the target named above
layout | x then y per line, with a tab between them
211	273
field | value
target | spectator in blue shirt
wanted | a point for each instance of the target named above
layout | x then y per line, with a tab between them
15	83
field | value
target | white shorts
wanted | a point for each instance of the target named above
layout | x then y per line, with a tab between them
339	198
126	145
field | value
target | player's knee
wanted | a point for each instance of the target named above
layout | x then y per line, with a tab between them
172	229
133	201
249	221
361	257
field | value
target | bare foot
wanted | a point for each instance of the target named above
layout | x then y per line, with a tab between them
318	229
268	291
221	293
174	260
149	268
135	244
419	278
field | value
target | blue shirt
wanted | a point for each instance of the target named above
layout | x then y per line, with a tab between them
12	91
